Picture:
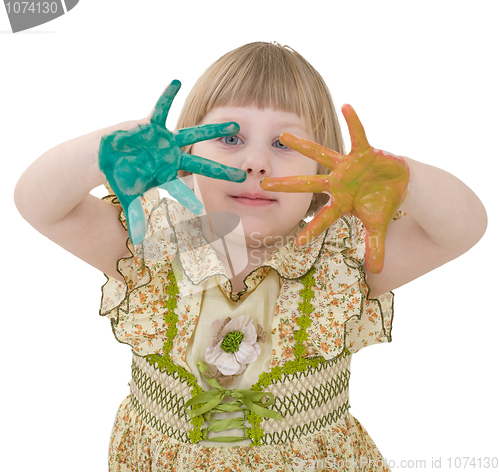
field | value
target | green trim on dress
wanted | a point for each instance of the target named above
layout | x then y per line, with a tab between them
165	362
209	402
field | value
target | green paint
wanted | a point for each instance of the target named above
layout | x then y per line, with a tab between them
150	156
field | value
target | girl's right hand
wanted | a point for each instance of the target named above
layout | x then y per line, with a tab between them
149	155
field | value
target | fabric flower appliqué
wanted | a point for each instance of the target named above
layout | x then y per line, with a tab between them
235	344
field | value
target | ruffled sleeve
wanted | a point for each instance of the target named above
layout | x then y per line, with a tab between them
346	318
134	304
373	323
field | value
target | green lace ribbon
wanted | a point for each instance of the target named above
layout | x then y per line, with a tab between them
211	402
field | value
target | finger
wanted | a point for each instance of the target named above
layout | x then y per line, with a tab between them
320	154
187	136
136	221
184	195
325	217
163	104
208	168
375	249
359	141
296	184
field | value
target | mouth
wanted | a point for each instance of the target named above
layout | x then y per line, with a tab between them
253	199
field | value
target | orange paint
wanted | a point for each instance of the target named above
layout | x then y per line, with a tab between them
368	183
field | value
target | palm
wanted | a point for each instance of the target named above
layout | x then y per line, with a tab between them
368	183
149	155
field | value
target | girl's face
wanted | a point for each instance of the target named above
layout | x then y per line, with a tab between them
268	218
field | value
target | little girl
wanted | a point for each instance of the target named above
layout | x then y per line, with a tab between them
243	320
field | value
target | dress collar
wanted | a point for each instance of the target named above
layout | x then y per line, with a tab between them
199	260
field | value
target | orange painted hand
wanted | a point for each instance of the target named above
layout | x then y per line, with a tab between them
367	183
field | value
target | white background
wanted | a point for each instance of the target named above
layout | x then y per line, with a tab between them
423	77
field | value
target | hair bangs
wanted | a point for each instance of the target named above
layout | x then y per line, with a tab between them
264	79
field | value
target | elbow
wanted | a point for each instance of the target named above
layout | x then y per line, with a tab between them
484	223
480	223
477	229
22	201
18	197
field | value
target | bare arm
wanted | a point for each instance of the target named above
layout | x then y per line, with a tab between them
53	193
444	220
53	196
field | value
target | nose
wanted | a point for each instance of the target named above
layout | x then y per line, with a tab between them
257	162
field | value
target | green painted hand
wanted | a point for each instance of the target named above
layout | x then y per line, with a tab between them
149	155
368	183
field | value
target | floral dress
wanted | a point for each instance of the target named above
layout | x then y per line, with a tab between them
261	386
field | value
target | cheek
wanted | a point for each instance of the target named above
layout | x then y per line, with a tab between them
297	203
198	187
304	166
206	188
314	167
206	149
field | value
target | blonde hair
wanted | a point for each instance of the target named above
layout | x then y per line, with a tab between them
268	75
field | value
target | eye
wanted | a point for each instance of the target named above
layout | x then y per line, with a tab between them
231	140
279	145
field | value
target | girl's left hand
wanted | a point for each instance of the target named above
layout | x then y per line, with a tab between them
368	183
